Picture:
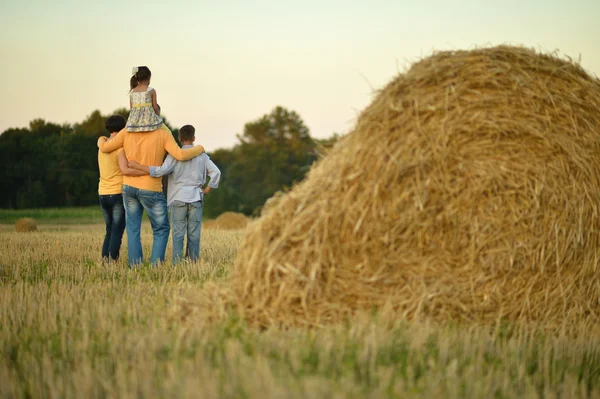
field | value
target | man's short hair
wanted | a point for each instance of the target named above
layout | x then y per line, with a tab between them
115	123
186	133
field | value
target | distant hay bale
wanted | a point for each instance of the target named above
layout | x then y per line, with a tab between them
25	225
209	224
230	221
468	190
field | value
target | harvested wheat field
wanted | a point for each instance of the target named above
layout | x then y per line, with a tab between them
467	191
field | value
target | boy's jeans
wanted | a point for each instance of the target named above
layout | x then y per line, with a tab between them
155	204
186	217
114	217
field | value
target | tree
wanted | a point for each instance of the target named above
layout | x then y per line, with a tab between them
275	151
41	128
229	196
56	165
93	125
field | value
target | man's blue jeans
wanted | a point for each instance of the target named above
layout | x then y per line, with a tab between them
155	204
186	217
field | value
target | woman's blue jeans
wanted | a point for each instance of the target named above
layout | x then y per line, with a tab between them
114	218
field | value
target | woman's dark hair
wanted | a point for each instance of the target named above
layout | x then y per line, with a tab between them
143	73
115	123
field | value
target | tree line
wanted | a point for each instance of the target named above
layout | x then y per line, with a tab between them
52	165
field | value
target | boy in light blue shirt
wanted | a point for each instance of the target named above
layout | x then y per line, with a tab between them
185	194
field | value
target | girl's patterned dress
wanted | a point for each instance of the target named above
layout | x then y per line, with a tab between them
142	117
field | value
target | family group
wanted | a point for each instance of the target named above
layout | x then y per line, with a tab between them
132	162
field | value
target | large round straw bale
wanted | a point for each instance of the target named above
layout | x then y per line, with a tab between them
25	225
230	221
468	190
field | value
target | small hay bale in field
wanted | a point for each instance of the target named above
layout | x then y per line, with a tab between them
209	224
25	225
231	221
468	190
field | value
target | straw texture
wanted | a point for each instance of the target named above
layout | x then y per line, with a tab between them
468	190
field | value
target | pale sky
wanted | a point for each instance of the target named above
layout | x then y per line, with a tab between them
219	64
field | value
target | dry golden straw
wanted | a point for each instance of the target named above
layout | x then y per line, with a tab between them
24	225
467	191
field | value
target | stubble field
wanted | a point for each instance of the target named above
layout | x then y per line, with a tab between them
72	327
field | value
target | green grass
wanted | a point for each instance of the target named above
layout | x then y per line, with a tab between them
89	214
71	215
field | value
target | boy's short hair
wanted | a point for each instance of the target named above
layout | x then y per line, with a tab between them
186	133
115	123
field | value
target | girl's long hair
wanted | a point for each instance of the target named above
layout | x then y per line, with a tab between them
143	73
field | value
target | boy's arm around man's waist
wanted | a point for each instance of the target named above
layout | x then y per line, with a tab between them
166	168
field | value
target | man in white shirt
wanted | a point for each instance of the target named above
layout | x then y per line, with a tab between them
185	195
